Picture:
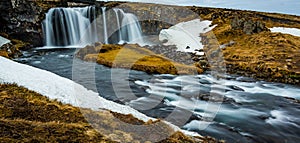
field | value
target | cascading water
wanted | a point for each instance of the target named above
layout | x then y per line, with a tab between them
82	26
131	28
66	26
104	25
118	24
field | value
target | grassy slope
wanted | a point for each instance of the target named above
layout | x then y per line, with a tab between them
265	55
26	116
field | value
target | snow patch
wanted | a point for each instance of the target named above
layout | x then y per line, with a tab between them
284	30
3	41
186	35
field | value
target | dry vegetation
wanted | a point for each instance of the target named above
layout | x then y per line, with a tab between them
134	57
13	49
26	116
263	55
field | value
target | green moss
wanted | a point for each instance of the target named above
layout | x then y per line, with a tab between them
294	76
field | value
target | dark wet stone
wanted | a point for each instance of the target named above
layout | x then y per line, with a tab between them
235	88
264	117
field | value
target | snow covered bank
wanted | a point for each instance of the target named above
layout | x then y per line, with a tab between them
56	87
3	41
284	30
186	35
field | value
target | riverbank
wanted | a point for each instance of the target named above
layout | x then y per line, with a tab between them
27	116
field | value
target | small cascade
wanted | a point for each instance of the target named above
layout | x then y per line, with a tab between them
131	29
118	24
104	25
84	25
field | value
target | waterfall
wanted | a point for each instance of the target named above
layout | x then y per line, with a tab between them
104	25
81	26
67	26
131	28
118	23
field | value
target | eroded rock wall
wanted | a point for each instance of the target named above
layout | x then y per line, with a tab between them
21	19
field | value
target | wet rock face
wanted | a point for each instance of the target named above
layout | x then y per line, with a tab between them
248	26
21	19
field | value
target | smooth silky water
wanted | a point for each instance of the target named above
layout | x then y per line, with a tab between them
252	111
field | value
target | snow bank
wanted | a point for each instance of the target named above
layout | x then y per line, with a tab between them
186	35
56	87
284	30
3	41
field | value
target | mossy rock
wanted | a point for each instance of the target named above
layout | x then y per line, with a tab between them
134	57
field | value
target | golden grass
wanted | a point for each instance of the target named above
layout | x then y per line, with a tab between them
268	56
272	56
26	116
4	53
137	58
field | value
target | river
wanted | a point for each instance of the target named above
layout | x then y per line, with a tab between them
241	110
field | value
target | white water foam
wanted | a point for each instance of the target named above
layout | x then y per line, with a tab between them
280	117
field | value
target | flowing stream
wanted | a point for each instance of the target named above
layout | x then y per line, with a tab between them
251	111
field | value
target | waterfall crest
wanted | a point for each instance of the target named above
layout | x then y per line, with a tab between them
86	25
